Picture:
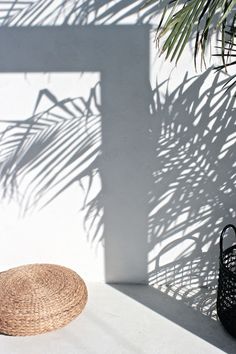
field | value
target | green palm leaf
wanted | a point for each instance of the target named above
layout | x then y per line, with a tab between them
199	18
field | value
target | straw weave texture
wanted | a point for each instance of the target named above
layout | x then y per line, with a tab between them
38	298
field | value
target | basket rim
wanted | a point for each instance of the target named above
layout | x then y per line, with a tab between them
227	250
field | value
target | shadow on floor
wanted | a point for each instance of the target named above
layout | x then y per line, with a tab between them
184	316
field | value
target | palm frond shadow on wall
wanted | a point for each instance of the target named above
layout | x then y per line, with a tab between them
42	156
74	12
193	194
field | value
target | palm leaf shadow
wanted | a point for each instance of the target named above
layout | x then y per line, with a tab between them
73	12
42	156
193	191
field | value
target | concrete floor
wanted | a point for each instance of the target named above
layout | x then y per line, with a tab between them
123	319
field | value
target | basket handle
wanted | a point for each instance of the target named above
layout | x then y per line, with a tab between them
222	235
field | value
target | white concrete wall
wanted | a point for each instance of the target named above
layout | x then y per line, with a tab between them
189	158
56	233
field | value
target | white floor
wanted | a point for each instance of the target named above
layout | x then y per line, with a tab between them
127	319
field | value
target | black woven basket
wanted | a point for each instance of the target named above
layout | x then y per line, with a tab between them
226	295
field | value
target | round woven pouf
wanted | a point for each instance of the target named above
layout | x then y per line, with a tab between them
38	298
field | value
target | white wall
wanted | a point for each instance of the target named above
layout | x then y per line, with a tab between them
189	158
56	233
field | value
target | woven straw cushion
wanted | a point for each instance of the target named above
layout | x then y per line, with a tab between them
38	298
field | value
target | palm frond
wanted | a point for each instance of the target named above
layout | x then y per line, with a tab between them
199	18
228	54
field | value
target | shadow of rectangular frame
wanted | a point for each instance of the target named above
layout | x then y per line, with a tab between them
121	55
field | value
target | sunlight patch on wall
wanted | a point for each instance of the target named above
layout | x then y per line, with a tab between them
50	141
20	92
